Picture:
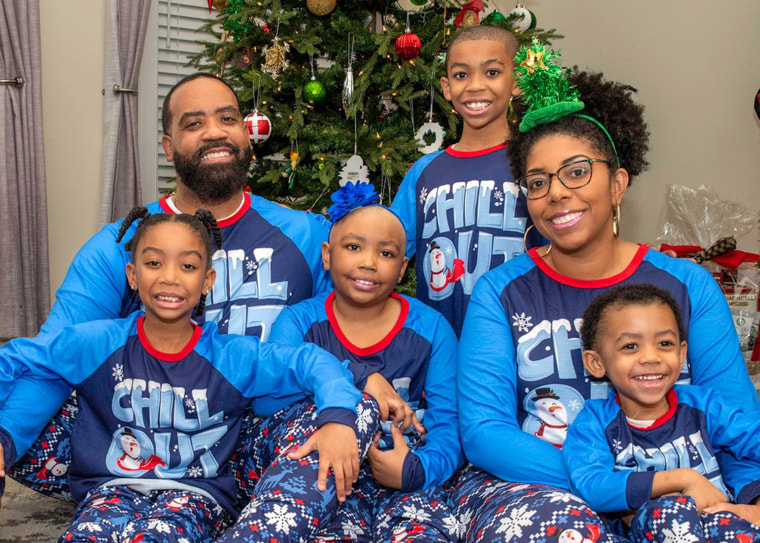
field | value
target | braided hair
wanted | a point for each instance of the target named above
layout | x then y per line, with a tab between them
202	223
612	105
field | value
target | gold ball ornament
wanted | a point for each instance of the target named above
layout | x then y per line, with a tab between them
320	7
220	5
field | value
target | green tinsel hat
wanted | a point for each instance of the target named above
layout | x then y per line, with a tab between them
544	85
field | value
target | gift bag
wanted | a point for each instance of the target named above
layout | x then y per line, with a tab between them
698	224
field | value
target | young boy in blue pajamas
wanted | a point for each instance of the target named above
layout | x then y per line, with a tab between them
652	447
162	402
398	350
459	206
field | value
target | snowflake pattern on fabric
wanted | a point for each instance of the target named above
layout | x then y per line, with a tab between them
522	321
118	372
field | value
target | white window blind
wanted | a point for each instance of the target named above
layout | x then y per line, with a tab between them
170	41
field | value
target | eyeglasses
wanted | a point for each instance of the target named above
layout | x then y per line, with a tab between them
573	176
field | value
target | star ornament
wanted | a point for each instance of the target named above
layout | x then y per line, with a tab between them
534	60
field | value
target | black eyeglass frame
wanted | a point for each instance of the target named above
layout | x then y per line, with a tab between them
522	181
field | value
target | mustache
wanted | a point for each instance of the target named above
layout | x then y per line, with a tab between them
215	145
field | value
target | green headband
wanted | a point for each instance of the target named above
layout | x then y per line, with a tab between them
600	125
546	90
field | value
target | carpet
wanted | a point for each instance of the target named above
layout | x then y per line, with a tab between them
27	516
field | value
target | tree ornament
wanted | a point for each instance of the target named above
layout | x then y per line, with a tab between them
412	5
259	127
440	56
469	15
494	17
245	58
524	19
354	171
348	82
314	91
219	5
275	57
408	44
429	128
320	7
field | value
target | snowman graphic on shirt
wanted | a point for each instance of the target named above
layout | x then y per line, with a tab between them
441	274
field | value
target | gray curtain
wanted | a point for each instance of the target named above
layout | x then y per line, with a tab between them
24	280
126	23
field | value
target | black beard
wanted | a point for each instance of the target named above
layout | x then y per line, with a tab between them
214	183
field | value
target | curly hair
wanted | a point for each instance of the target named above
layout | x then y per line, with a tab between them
620	297
612	105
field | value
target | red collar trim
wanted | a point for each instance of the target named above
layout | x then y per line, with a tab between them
472	154
166	208
380	345
167	357
593	283
672	399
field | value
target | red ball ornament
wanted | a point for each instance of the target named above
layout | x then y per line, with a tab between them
408	45
259	127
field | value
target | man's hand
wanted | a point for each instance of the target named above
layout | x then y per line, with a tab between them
390	403
338	451
388	466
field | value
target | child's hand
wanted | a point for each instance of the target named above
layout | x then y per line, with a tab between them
388	466
750	513
338	450
704	493
390	403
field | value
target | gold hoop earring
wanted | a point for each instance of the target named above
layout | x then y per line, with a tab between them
525	245
616	221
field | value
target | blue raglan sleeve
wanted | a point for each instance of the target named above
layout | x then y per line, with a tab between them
591	465
405	202
731	430
289	330
441	455
486	385
285	371
69	355
95	287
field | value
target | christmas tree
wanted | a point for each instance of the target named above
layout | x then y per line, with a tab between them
338	89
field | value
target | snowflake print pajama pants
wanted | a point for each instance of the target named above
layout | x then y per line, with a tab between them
118	513
286	504
376	514
495	510
675	518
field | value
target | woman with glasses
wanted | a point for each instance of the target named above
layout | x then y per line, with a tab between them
521	380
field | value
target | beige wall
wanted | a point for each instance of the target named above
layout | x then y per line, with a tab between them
73	34
697	69
695	63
